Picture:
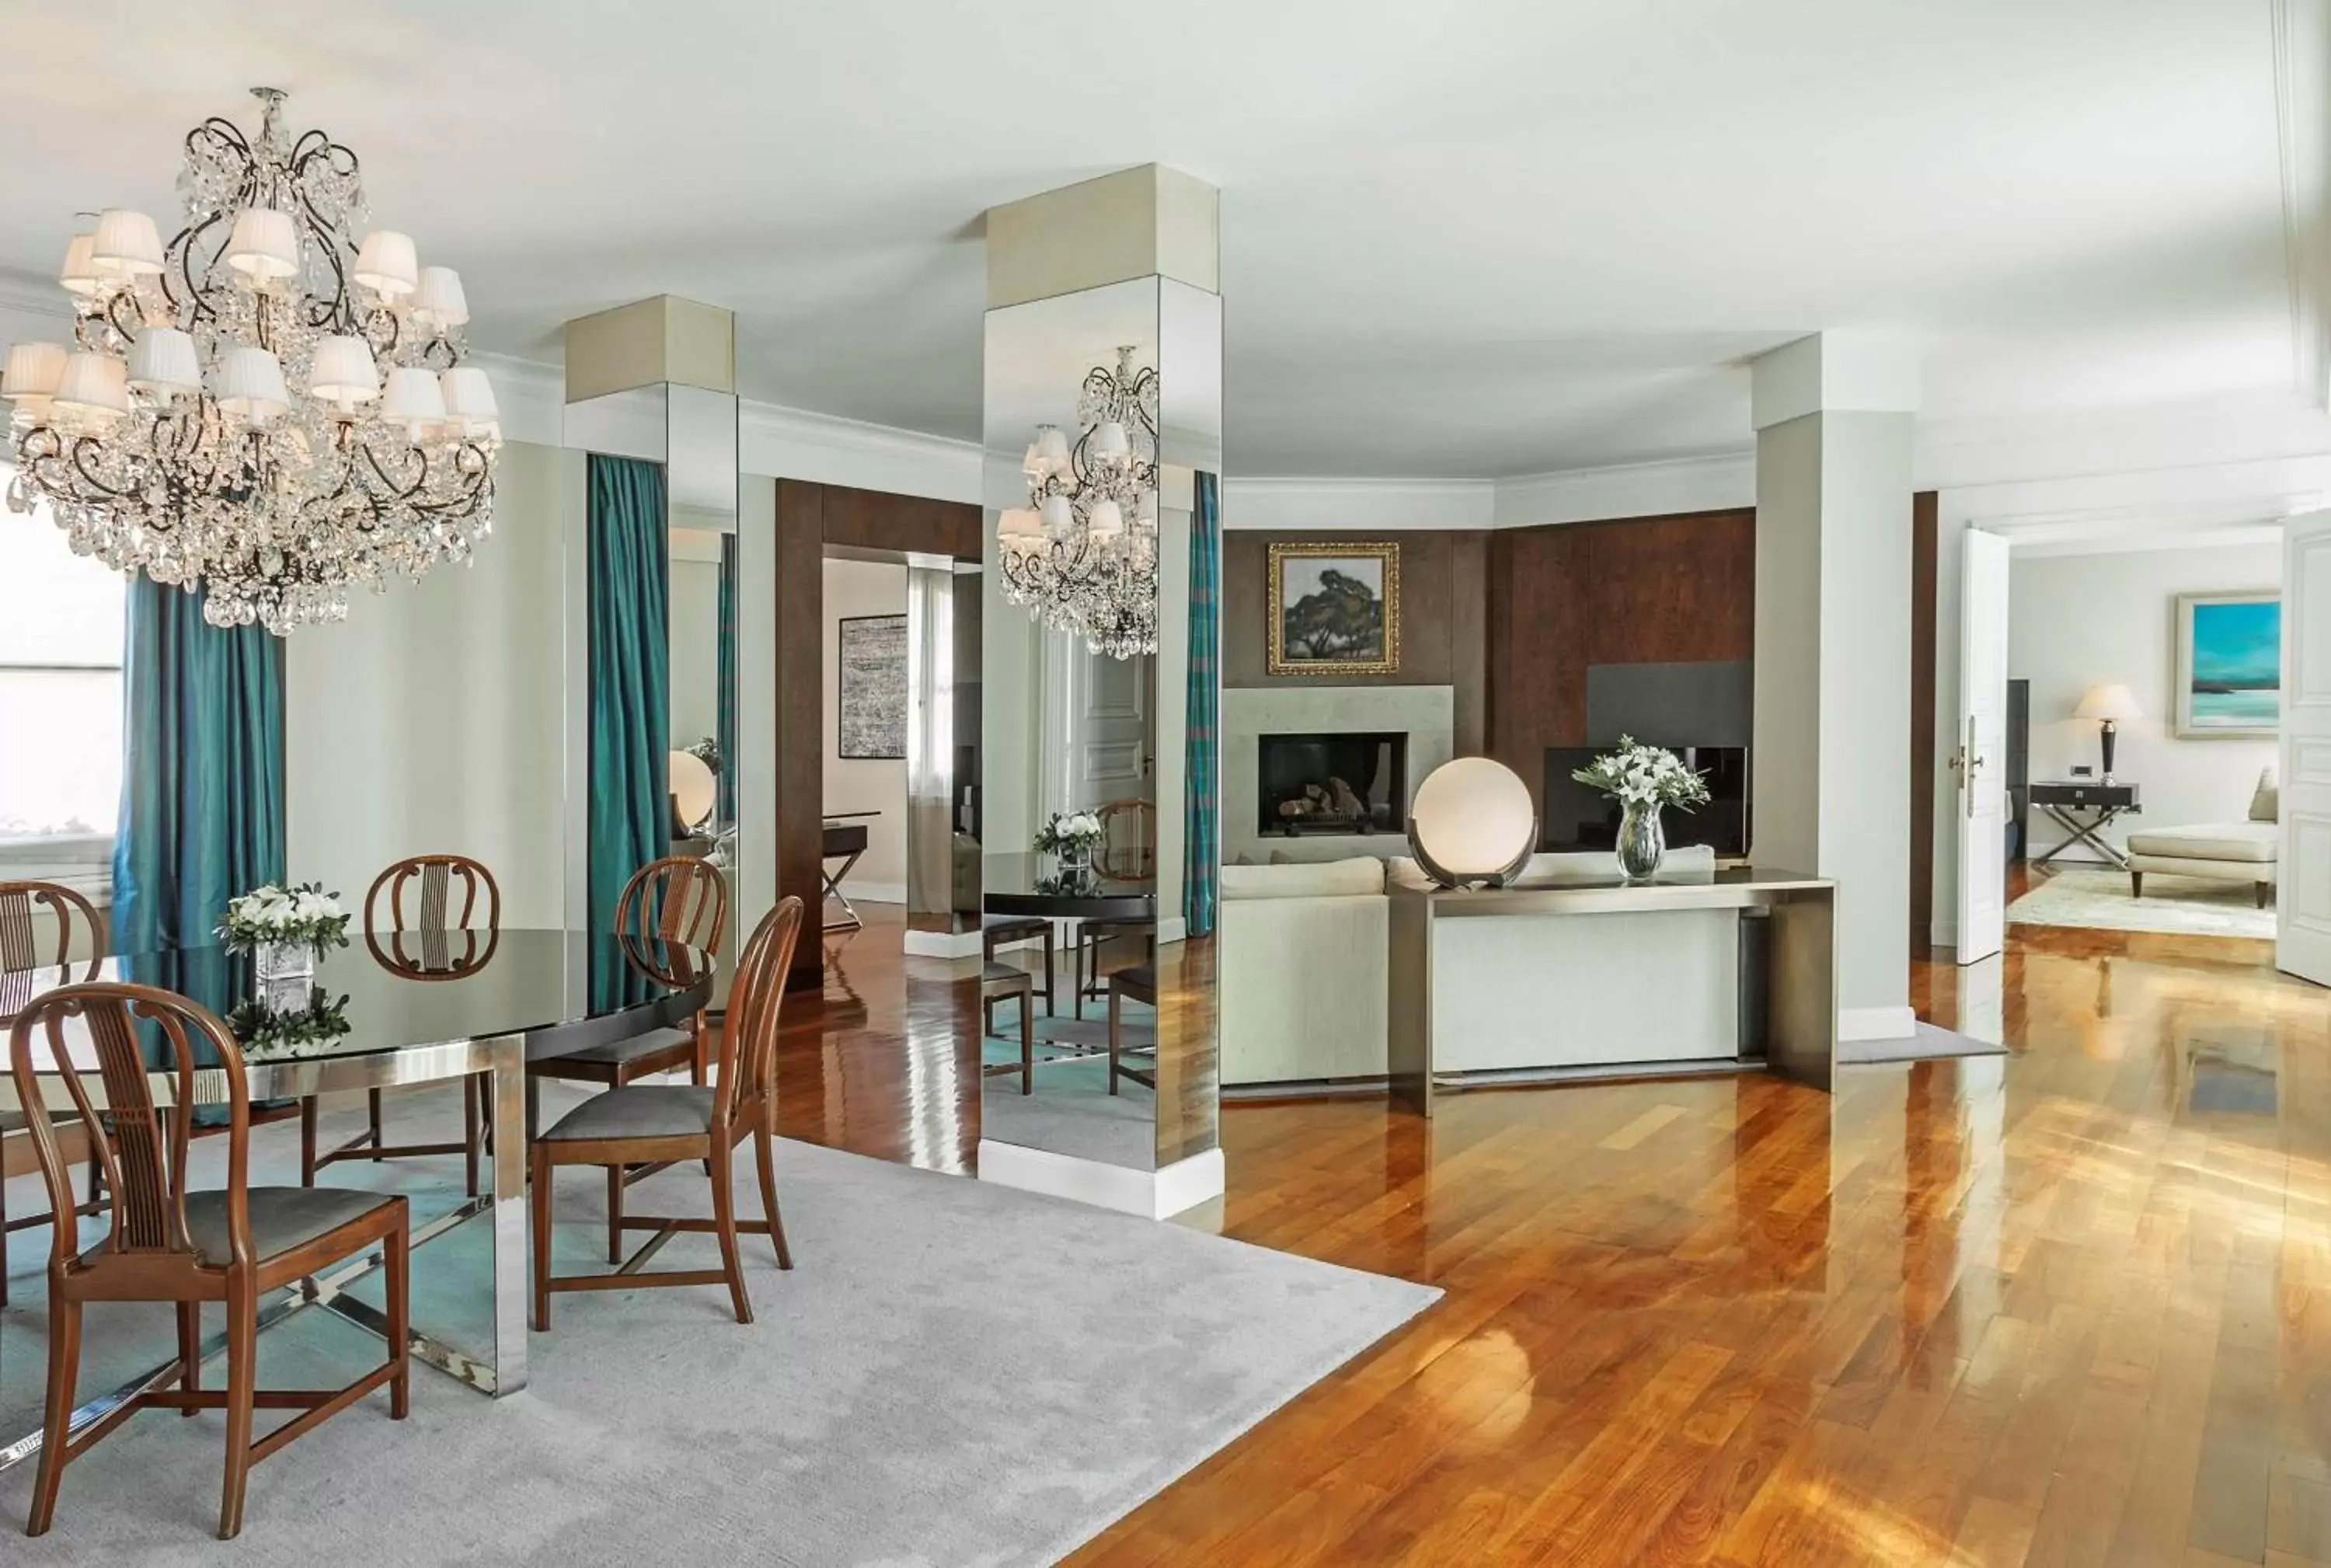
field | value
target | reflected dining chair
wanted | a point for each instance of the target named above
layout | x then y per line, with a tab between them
682	900
1138	983
22	906
421	944
168	1243
657	1123
1127	853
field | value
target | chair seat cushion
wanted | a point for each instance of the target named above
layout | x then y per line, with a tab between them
616	1052
1140	981
651	1110
1013	925
282	1218
2208	841
993	975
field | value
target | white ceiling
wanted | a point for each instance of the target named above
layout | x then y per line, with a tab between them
1459	239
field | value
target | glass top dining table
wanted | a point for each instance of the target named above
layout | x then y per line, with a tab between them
407	1009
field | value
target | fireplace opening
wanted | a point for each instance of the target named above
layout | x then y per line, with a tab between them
1331	784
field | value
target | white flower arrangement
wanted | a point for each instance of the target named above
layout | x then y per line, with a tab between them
1069	830
1639	775
273	917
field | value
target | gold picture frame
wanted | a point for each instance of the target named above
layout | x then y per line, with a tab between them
1323	627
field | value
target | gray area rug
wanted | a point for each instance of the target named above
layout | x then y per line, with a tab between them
2098	895
954	1374
1929	1042
1071	1111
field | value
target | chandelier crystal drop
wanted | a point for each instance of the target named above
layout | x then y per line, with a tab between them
263	406
1082	554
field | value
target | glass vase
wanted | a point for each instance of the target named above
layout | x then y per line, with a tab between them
274	962
1643	841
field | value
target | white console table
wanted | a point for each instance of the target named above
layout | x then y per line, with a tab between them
1514	984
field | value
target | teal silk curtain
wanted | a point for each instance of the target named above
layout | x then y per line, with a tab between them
1202	754
202	777
629	819
725	814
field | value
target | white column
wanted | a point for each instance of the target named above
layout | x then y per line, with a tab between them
1830	763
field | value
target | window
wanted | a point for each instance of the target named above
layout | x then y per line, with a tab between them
61	638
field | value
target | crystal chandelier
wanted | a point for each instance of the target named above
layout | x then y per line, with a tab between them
263	405
1082	554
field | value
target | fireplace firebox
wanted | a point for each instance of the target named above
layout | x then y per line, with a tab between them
1331	784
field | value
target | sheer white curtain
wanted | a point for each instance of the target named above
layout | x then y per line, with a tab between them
931	735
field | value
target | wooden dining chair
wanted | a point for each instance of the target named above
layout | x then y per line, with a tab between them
21	906
662	1123
168	1243
1127	853
420	943
996	930
1008	982
679	900
1138	983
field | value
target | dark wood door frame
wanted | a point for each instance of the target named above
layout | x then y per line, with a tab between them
810	517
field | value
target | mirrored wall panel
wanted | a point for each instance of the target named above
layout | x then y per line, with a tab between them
1092	658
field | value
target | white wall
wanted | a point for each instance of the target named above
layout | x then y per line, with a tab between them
695	631
434	719
2079	620
865	588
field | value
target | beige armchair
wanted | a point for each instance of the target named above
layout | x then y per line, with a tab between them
2243	852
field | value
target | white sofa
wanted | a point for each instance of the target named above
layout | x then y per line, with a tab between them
2244	852
1302	956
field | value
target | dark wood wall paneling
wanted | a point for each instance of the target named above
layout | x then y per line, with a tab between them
1923	518
1667	590
810	518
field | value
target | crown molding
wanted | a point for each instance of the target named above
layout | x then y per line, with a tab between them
1701	482
1295	505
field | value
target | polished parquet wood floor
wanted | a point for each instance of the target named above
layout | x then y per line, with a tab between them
2071	1306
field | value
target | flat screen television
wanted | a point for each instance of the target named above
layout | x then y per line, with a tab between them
1578	817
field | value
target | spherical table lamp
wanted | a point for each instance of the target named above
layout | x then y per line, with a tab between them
1472	822
694	791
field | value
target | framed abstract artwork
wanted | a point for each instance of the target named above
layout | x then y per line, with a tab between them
2227	684
1335	608
870	704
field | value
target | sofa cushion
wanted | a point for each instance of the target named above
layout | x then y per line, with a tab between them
1359	877
2266	801
2208	841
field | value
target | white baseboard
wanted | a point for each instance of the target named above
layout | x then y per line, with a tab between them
1152	1195
1876	1024
875	892
1175	930
942	943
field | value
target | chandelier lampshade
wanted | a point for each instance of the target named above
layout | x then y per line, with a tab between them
262	407
163	362
32	373
439	299
386	265
125	245
263	246
93	385
78	274
343	373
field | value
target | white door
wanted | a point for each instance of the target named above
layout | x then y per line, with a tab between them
2303	870
1113	730
1980	757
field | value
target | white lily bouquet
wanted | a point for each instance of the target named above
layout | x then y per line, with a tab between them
1642	779
286	928
1639	775
1072	835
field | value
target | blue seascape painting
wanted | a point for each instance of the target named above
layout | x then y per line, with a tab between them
2237	665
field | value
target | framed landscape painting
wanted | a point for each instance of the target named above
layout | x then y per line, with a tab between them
2228	677
1335	608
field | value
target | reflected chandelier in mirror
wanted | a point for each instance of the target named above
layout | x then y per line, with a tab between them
262	407
1082	554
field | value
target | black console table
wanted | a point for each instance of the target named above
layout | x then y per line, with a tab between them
2083	808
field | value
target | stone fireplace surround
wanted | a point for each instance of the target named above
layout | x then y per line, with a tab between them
1425	714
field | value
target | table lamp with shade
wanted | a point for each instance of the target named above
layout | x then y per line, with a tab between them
2111	705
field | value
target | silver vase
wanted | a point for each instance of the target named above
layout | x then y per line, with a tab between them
1643	842
276	963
